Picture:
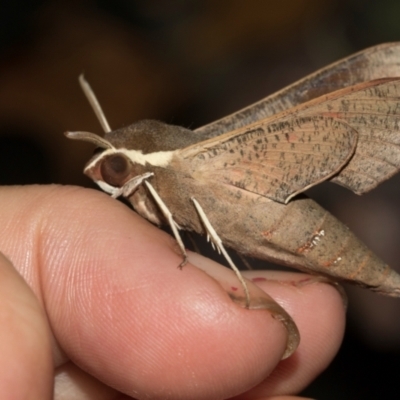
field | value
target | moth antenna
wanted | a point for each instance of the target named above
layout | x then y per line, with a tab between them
90	137
87	90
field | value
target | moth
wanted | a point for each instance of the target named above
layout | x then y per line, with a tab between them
239	180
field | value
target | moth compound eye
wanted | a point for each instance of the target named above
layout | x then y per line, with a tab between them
115	169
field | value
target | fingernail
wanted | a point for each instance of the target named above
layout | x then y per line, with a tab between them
259	300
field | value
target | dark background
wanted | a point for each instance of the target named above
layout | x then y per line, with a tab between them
188	63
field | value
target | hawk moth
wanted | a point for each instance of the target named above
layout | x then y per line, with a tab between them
240	179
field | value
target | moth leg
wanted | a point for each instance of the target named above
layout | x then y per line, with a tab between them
245	262
167	214
130	186
217	242
193	242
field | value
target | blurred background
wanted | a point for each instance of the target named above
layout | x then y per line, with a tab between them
188	63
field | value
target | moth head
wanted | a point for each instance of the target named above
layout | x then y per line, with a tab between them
109	167
117	161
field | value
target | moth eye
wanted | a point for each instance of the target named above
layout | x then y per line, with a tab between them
115	169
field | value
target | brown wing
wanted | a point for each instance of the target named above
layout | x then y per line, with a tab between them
373	109
276	159
288	153
376	62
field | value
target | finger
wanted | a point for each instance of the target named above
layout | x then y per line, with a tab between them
73	383
121	309
26	367
319	312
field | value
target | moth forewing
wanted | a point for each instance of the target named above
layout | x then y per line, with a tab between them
264	156
372	109
382	61
278	157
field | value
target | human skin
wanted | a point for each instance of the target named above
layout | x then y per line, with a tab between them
93	306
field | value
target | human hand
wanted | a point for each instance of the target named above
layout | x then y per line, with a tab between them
103	309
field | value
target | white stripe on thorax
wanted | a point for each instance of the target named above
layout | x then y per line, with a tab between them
157	159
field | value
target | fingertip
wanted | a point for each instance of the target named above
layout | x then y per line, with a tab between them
319	312
258	299
143	323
